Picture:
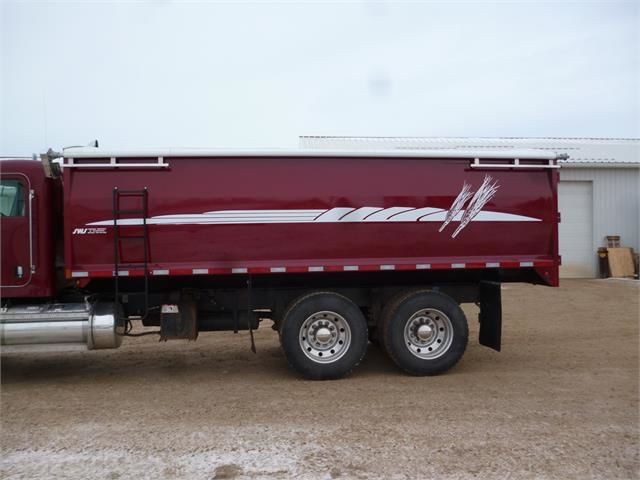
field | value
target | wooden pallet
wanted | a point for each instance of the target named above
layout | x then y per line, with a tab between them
620	262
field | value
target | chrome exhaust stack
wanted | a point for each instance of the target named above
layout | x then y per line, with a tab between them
59	327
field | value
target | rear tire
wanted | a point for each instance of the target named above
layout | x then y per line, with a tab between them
424	332
323	335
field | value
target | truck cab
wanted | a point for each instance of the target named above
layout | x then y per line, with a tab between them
28	209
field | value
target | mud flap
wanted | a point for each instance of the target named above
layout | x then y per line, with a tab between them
178	321
490	315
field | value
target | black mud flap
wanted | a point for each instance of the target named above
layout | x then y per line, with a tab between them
490	315
178	321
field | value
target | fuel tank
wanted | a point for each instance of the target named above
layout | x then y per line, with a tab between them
67	326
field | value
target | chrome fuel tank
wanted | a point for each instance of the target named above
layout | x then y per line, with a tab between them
60	325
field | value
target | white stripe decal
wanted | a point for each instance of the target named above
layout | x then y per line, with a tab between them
360	214
160	272
467	207
526	264
350	268
79	274
313	212
200	271
278	269
423	266
435	216
334	215
383	215
492	264
458	265
387	267
239	270
347	215
413	215
316	269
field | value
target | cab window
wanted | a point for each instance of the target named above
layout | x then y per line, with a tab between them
11	198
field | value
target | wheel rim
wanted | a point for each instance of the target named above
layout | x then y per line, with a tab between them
428	333
325	337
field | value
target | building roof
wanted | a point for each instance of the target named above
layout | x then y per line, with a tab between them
582	152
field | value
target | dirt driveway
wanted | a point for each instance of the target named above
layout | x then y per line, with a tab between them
560	401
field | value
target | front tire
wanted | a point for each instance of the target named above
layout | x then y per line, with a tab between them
323	335
424	332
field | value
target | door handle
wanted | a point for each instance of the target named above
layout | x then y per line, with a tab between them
19	272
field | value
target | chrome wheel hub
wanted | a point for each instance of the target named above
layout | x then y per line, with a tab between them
424	332
428	333
325	337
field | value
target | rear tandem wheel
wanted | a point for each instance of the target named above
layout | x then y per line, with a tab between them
323	335
423	332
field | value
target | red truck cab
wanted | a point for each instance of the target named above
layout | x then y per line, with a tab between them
29	209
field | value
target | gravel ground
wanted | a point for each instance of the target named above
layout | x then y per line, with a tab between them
560	401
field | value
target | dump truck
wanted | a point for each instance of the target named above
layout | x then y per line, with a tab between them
336	248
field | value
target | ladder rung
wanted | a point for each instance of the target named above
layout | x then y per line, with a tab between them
131	193
118	212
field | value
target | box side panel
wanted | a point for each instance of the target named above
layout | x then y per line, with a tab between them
279	213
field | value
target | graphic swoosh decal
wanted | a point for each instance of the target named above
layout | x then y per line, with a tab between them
332	215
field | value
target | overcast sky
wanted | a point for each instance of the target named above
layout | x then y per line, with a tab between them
213	74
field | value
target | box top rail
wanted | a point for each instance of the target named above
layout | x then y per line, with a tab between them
524	154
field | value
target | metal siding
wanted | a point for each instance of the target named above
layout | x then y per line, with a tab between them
616	203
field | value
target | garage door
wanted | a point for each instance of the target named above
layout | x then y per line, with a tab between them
576	230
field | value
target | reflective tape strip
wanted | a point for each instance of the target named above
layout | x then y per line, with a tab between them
258	270
297	269
181	271
510	264
101	274
219	271
316	268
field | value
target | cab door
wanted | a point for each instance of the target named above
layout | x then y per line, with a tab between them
15	230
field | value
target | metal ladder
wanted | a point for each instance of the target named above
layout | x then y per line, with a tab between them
119	238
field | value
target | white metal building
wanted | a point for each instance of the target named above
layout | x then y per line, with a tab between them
599	192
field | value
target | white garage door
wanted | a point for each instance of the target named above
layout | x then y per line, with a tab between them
576	230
